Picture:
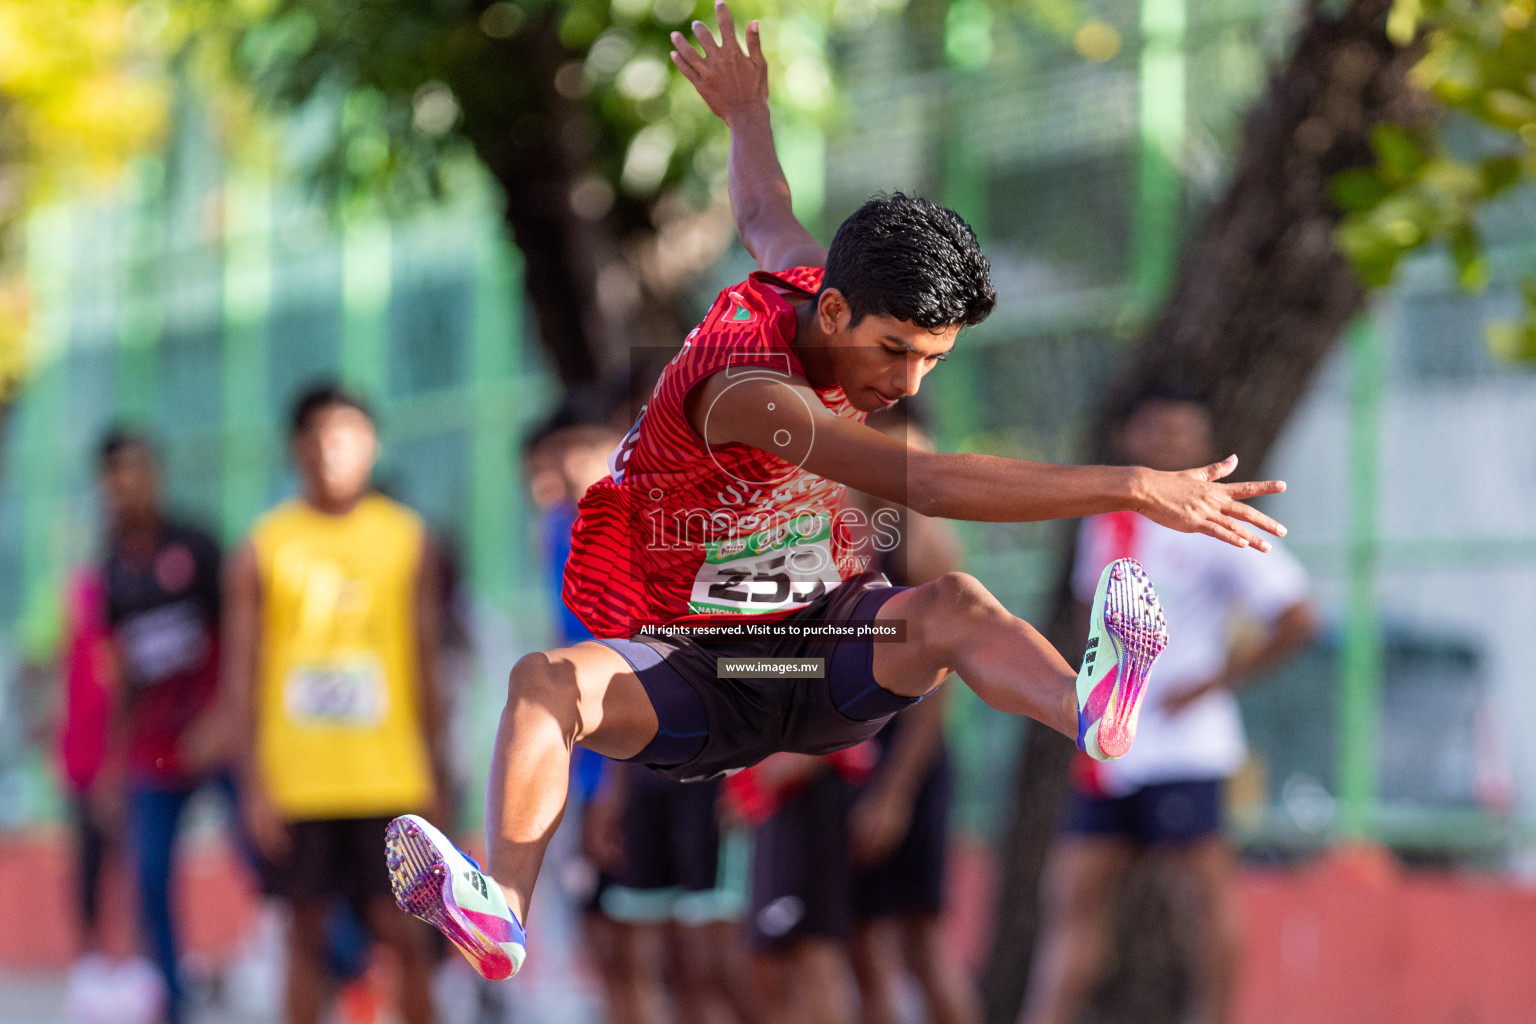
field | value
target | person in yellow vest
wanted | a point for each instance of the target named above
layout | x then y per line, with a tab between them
331	627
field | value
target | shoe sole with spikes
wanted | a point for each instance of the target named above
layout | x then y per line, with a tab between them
1127	632
436	881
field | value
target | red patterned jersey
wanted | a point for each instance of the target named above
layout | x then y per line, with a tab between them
684	532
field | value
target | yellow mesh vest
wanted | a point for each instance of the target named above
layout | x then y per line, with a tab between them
338	731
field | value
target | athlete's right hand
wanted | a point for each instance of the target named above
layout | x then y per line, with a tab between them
731	81
1193	501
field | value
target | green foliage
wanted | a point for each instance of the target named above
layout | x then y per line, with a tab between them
391	69
1480	62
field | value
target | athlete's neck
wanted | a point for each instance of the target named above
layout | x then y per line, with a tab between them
810	343
328	505
138	530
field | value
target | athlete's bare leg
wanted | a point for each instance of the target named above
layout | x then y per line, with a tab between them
409	939
807	983
1203	878
955	625
306	981
642	999
1083	879
949	995
880	951
609	944
872	954
583	694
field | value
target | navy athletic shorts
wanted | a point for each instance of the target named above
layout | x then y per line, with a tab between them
802	881
710	726
1161	814
911	880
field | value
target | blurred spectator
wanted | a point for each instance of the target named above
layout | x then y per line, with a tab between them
1165	797
162	606
683	939
87	673
332	642
561	459
899	825
802	880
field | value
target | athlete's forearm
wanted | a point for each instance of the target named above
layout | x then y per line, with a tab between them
428	613
1289	634
759	190
241	631
991	489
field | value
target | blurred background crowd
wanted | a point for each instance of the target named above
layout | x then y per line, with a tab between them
1306	228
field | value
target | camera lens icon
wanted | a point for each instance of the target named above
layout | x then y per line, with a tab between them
790	442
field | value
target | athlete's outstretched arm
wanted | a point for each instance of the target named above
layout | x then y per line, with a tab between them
785	417
734	82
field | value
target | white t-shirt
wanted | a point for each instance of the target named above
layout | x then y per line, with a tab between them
1206	588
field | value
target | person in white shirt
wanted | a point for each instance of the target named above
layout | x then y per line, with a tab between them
1165	797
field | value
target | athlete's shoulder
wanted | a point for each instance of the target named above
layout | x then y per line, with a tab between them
761	305
806	280
753	322
392	513
279	517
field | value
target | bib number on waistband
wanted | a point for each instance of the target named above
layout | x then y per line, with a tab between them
784	567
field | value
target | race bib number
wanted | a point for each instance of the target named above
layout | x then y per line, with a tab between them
347	695
788	566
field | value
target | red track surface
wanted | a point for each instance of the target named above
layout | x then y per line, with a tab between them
1351	939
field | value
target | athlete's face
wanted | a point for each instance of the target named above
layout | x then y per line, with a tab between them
1168	435
130	485
880	360
336	454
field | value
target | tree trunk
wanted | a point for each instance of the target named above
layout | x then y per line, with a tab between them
605	277
531	139
1260	296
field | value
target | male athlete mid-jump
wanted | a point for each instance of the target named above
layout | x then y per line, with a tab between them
725	506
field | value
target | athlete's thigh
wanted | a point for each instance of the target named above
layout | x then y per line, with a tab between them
1084	875
614	714
940	616
1198	871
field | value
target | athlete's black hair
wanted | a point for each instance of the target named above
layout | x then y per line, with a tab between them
322	396
117	439
909	258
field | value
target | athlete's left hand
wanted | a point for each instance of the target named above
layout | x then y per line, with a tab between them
1195	501
877	824
1175	703
602	832
730	80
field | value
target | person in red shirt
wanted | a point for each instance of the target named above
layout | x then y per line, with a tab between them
87	670
719	545
162	606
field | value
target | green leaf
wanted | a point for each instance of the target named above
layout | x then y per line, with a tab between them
1499	173
1373	255
1508	109
1467	254
1403	22
1357	189
1399	155
1528	290
1512	340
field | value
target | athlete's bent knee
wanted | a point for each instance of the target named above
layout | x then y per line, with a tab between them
957	591
539	680
956	604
